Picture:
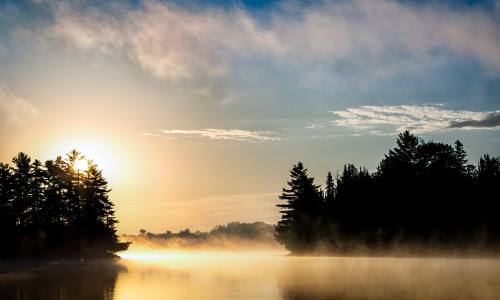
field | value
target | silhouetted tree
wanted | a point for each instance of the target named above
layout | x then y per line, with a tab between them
329	188
488	168
98	214
38	194
7	216
488	177
21	186
402	159
56	209
460	158
301	220
75	190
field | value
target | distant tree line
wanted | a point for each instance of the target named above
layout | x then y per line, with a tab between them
55	210
256	231
422	194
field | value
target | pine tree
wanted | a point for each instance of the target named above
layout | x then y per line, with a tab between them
56	209
407	147
75	189
99	220
488	169
460	157
37	192
402	159
301	212
6	195
329	188
21	183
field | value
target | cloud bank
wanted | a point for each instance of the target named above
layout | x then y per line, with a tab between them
13	109
388	119
381	37
489	121
216	134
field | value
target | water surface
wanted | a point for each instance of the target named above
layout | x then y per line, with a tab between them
171	275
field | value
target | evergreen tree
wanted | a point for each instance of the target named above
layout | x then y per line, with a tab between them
38	192
56	209
329	188
5	192
21	185
7	220
75	189
488	177
460	157
300	222
98	213
402	159
488	168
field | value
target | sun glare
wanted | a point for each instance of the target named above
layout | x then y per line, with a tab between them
81	165
98	151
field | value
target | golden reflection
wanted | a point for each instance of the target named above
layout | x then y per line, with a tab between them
199	258
272	275
151	255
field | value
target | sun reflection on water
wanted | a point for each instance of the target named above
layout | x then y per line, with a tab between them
159	274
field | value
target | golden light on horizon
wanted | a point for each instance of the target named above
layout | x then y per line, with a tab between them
152	255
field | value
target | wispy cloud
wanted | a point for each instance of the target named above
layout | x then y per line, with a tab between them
379	120
13	109
315	126
216	134
176	43
489	121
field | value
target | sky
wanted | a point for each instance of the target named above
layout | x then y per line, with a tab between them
197	110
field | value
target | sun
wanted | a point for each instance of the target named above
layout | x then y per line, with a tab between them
105	154
91	150
81	165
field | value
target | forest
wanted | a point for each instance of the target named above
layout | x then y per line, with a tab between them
56	210
423	197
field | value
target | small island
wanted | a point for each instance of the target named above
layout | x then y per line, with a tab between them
423	199
59	209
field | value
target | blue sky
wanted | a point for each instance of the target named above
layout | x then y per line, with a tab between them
177	89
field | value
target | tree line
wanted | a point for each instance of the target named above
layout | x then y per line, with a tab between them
257	231
53	209
422	195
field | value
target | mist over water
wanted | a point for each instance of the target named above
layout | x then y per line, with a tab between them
254	275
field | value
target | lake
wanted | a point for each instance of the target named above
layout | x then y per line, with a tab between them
252	275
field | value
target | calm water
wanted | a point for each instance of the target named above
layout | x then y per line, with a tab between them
253	276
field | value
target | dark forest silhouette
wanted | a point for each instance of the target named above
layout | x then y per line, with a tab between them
423	195
54	210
